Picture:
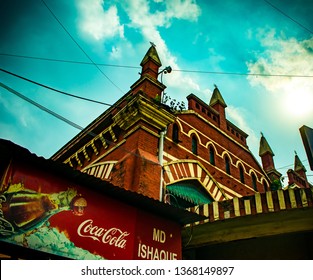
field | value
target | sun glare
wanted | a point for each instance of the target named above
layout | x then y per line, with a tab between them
298	104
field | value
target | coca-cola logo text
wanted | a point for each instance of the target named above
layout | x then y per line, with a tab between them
111	236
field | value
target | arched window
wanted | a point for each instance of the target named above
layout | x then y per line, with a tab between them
194	145
175	133
254	182
242	174
227	165
212	156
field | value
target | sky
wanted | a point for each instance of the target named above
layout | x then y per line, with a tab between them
259	53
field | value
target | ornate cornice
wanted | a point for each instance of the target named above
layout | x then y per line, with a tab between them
141	108
92	147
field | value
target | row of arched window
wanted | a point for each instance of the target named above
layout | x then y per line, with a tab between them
227	169
194	150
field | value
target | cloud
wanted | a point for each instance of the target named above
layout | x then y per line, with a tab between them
181	9
285	56
97	23
139	12
100	24
148	23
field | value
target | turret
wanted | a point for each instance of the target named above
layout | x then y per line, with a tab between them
267	157
266	154
151	63
148	82
297	176
217	102
299	167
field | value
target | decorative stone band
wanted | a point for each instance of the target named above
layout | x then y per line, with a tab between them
260	203
181	170
100	170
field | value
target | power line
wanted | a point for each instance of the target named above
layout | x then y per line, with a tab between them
53	89
292	164
69	61
41	107
174	70
73	39
283	13
244	74
58	116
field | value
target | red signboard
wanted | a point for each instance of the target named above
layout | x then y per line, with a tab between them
50	214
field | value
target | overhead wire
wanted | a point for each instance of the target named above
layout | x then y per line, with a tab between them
41	107
291	164
177	70
283	13
69	122
54	89
78	45
69	61
174	70
244	74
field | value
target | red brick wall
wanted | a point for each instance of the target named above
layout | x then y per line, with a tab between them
234	151
138	168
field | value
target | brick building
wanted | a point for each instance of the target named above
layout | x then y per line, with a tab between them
183	156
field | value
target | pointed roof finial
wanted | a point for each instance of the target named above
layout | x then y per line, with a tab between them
264	147
151	55
217	97
298	164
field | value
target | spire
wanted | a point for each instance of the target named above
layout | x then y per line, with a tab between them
217	98
148	82
264	147
151	63
217	102
267	157
298	164
297	177
151	55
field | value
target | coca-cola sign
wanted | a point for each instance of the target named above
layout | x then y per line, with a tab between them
48	213
112	236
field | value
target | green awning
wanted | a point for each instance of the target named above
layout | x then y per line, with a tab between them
189	192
